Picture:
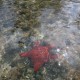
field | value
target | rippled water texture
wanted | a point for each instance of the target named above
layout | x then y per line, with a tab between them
60	27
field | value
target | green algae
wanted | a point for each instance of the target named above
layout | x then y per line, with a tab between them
28	12
1	1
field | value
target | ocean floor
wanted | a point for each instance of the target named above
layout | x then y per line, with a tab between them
22	22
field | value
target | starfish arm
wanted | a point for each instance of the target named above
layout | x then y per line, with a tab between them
25	54
37	66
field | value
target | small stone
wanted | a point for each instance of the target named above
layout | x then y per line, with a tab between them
44	70
59	64
67	47
27	77
33	1
25	47
58	50
29	70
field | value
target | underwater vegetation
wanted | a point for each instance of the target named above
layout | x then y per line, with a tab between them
29	10
14	67
0	2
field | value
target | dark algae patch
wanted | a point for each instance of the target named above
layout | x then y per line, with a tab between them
1	2
29	10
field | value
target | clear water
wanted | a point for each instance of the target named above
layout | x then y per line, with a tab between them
60	28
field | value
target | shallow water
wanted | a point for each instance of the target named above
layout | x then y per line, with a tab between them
62	28
59	27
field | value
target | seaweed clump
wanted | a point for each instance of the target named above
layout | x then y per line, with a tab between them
29	10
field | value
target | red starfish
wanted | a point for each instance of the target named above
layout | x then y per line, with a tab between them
39	55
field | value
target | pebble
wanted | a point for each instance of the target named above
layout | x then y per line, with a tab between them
58	50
